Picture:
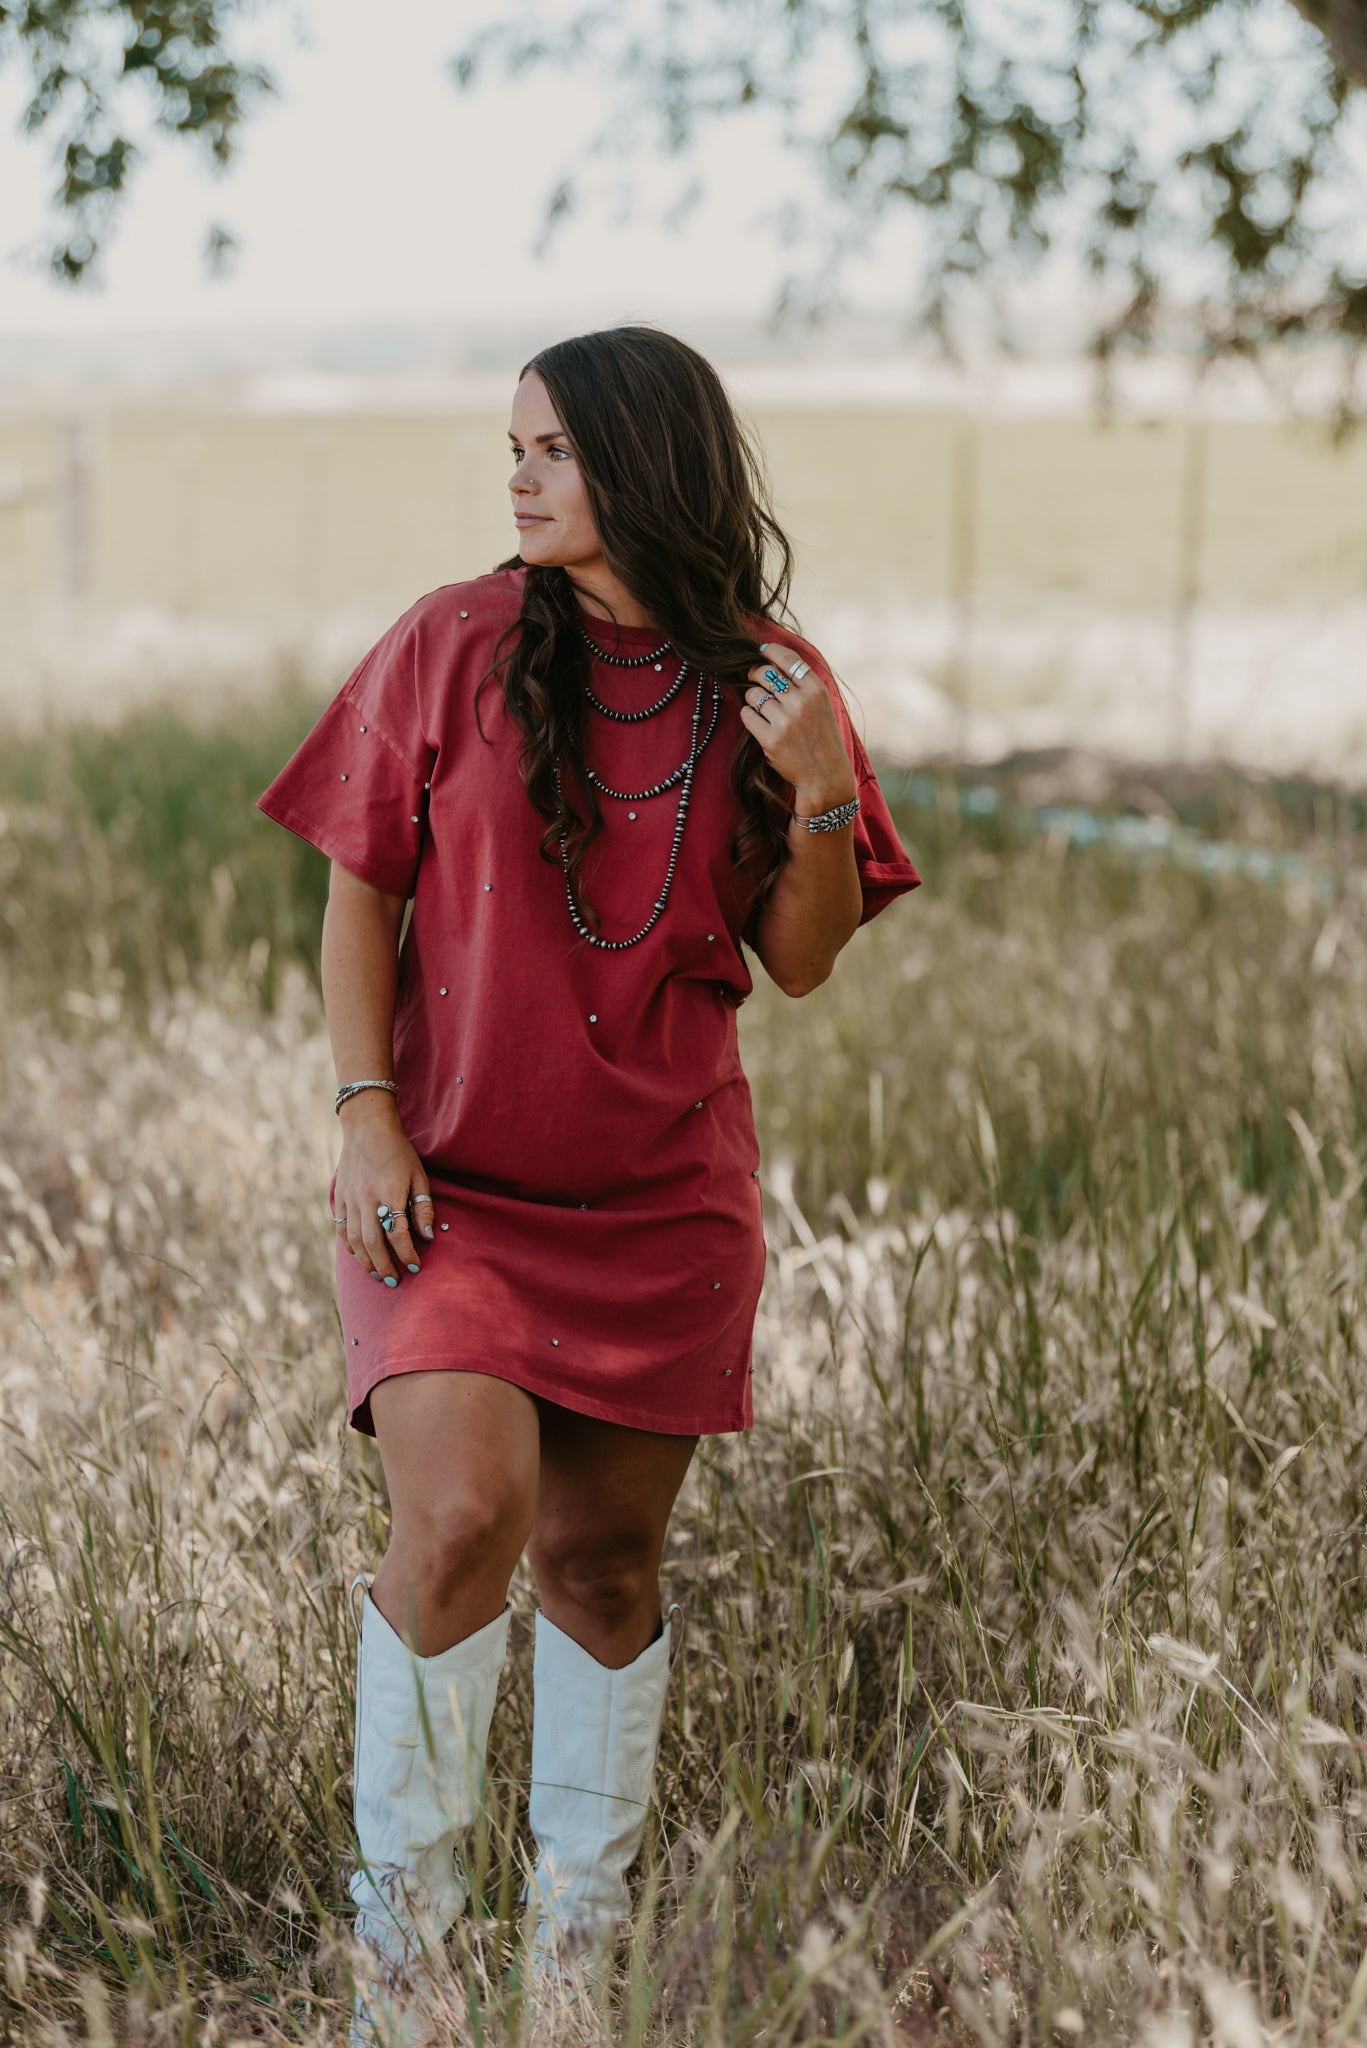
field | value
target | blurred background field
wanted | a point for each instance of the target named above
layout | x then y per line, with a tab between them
1182	580
1023	1696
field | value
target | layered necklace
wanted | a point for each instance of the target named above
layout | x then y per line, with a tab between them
682	775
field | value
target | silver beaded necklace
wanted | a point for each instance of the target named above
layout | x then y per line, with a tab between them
638	796
682	775
633	717
632	661
625	660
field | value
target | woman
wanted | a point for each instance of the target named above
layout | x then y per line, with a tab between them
596	771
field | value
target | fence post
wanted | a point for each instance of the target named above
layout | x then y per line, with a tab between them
963	534
75	526
1191	524
315	460
188	461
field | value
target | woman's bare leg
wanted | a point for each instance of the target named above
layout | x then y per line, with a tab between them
460	1452
602	1508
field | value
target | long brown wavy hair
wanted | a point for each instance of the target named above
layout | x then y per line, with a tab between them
681	506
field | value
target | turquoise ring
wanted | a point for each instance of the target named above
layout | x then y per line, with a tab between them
777	683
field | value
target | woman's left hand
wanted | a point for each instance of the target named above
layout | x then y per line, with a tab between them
794	721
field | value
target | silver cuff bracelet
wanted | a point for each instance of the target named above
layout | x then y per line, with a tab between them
350	1088
832	820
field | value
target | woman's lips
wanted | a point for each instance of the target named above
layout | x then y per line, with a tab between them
530	518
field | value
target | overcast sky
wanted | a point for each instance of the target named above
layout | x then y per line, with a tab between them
370	189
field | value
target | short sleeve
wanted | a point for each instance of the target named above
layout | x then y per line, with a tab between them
885	870
356	786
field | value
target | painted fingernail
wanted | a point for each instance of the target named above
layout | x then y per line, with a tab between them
391	1279
427	1230
412	1268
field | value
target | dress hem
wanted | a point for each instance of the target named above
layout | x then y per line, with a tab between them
532	1383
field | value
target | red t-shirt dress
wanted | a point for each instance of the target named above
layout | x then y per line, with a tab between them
582	1115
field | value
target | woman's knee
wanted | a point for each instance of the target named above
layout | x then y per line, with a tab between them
450	1543
608	1581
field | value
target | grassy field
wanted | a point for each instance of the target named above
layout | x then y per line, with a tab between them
1023	1696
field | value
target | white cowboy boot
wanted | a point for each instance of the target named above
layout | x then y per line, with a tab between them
422	1728
595	1733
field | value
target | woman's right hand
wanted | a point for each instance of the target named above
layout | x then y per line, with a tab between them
379	1165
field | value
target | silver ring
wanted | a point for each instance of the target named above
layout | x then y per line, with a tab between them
799	669
777	683
420	1198
387	1217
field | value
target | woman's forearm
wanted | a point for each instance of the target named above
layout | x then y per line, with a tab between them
359	966
814	907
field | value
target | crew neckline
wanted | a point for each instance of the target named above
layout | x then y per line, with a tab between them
614	637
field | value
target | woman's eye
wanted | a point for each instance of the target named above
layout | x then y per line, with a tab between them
559	451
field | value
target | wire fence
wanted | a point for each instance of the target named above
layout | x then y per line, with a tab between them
975	518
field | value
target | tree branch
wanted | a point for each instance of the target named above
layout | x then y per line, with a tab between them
87	60
1343	24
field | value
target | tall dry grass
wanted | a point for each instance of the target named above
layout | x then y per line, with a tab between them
1022	1696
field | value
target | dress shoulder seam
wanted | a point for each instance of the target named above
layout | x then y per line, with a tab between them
373	725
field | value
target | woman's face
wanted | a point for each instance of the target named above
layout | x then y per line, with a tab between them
550	504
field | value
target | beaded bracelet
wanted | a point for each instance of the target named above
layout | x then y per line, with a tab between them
832	820
350	1088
